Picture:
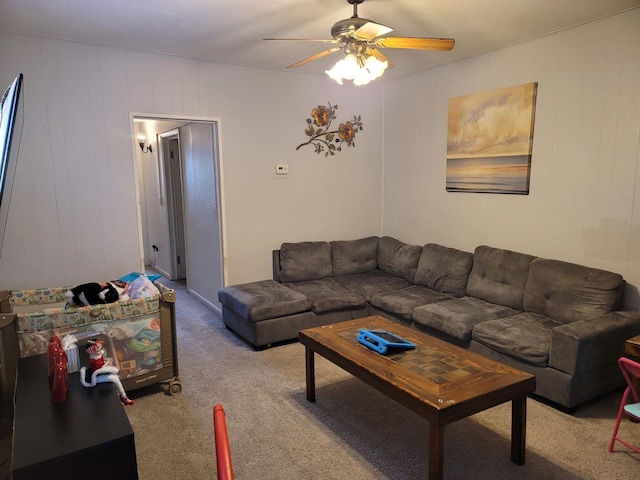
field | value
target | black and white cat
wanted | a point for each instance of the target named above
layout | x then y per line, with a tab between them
93	293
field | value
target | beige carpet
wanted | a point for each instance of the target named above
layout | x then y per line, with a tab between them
352	431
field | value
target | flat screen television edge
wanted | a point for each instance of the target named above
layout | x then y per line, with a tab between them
11	119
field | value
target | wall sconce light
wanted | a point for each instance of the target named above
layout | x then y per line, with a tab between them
141	139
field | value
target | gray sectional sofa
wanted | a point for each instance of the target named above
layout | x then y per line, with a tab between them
559	321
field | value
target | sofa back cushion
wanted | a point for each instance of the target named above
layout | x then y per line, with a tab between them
303	261
444	269
397	258
569	292
499	276
354	256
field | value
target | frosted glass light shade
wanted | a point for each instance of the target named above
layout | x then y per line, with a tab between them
358	69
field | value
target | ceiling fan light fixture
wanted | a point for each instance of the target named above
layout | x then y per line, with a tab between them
362	38
361	69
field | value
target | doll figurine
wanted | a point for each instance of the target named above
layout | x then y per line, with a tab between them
100	372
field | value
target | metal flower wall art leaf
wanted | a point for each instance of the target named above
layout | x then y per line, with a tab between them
325	140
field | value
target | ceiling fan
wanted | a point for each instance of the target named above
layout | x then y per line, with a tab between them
361	38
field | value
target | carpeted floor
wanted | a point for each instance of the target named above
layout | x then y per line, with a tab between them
351	431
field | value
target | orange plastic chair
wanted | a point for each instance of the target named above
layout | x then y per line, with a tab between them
223	452
629	369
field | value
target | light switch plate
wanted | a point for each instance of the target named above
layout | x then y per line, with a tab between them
282	169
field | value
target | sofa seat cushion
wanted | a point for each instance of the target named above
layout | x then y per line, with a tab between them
371	283
444	269
404	301
262	300
354	256
303	261
397	258
499	276
525	337
571	292
457	317
327	295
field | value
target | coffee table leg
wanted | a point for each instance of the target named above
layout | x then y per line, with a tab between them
436	451
518	429
311	374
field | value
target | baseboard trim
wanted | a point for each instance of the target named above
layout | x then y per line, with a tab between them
204	301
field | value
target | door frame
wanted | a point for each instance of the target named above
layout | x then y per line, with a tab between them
218	165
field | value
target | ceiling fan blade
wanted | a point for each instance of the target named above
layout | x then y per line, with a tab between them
417	43
371	30
379	56
304	40
314	57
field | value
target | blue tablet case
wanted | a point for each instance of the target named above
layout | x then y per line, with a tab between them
382	342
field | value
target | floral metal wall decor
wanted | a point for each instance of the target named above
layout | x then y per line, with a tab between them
323	138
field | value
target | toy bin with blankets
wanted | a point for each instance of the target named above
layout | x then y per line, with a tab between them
138	334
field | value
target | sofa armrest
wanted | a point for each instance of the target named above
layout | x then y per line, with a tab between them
275	258
591	343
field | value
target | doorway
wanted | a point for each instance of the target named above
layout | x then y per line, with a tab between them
179	185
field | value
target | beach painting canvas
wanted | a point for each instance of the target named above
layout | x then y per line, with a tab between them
489	140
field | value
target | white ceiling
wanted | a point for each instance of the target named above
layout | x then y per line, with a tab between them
231	31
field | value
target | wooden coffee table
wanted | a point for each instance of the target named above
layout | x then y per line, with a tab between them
632	349
439	381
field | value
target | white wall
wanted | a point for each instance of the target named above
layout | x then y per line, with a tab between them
584	201
73	212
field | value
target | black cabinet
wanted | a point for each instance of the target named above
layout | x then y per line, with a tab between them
87	436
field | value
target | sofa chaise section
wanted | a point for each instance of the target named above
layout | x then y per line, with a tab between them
263	312
303	294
